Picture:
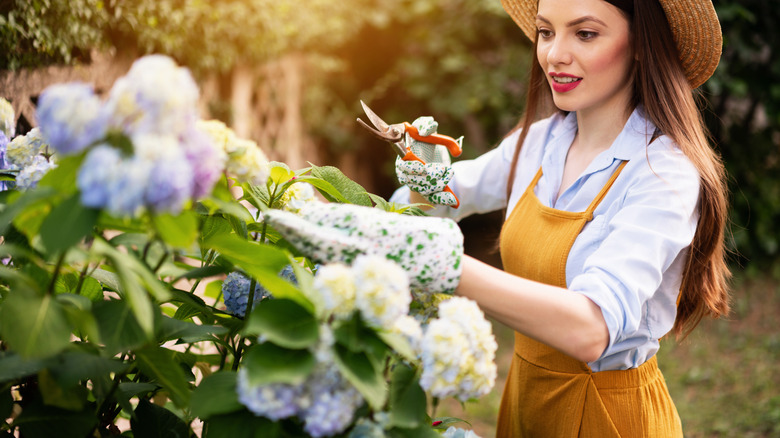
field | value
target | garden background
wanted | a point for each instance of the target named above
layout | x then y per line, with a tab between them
290	75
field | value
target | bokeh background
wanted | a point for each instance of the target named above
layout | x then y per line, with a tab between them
290	74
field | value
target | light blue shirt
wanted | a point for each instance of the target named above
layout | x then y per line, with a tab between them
629	259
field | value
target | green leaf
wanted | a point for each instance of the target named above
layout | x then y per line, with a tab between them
40	421
78	311
6	402
67	224
231	208
280	173
268	363
179	231
108	279
14	366
418	432
152	421
357	338
407	398
34	326
242	424
70	397
283	322
215	395
446	422
324	187
127	390
352	191
158	364
380	202
63	177
399	344
361	372
119	330
261	261
25	201
169	329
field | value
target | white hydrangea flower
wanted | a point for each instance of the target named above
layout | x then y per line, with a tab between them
456	432
411	329
336	290
296	196
247	162
22	149
156	95
31	174
458	352
7	118
383	294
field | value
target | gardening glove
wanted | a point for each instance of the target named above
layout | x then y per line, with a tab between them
431	178
429	249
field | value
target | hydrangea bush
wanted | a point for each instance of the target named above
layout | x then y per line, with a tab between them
136	288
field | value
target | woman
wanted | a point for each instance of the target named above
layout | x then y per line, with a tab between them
615	215
616	207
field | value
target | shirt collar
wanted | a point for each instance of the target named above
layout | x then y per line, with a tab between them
634	137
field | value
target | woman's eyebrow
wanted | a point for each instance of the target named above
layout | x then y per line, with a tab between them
574	22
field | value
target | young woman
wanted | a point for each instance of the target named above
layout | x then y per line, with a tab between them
616	206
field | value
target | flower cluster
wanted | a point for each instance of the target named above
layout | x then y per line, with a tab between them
144	147
245	160
326	402
456	432
375	286
7	119
458	352
296	196
235	290
30	156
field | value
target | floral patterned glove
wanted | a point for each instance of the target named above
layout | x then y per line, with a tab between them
427	179
428	249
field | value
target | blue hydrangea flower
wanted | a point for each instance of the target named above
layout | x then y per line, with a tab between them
101	165
235	292
332	402
274	400
169	186
3	165
127	189
71	117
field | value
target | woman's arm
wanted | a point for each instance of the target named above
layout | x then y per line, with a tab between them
562	319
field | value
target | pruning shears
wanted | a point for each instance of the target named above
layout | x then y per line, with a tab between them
399	135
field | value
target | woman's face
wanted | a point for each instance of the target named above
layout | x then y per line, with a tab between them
583	47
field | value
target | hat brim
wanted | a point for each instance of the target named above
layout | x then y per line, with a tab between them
695	28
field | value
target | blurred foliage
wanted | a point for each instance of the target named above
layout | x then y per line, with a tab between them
744	99
463	62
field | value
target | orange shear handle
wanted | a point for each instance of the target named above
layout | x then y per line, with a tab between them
444	140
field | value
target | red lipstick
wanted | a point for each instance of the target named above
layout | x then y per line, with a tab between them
569	82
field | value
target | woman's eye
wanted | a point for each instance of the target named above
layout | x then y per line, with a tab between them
586	35
544	33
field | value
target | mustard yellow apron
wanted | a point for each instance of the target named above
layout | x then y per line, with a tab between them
550	394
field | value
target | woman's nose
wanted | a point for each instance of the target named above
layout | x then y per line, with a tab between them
559	51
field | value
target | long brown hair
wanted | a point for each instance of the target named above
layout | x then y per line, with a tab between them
661	87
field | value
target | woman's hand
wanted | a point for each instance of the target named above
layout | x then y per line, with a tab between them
429	249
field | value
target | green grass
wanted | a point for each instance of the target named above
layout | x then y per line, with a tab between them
724	378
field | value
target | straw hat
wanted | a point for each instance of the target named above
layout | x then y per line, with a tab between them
694	24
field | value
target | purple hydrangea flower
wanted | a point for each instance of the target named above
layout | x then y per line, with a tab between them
207	161
71	117
169	186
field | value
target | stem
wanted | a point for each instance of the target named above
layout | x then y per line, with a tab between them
160	263
146	251
249	305
435	404
56	273
82	276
